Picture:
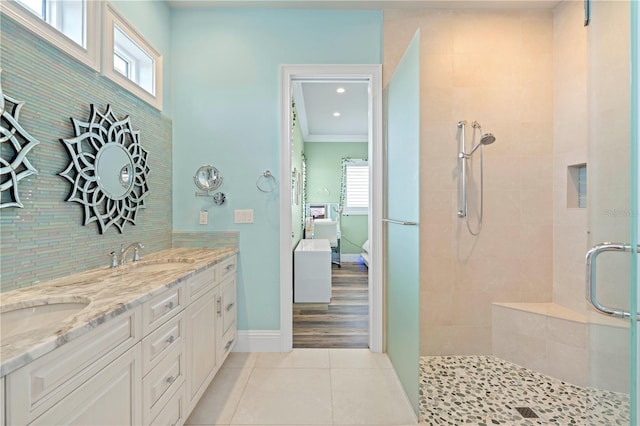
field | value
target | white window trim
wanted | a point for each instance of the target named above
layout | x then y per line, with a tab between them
354	211
111	17
89	56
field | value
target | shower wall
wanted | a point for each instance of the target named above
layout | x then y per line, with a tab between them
494	66
570	147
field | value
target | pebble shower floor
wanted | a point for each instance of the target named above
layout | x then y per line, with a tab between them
485	390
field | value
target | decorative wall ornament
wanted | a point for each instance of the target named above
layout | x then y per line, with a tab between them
15	144
108	169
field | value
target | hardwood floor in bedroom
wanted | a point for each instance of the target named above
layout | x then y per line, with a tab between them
343	323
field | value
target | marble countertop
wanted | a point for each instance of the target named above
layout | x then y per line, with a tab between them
109	291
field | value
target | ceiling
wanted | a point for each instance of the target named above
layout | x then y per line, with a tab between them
370	4
318	101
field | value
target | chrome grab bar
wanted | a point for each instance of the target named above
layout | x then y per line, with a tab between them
400	222
590	280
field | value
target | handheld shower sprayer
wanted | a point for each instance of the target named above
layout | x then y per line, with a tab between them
485	139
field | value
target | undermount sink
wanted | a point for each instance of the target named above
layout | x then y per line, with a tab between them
28	316
157	265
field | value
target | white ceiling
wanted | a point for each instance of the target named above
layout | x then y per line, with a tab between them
317	101
371	4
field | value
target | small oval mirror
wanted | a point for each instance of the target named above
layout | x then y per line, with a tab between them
114	170
207	178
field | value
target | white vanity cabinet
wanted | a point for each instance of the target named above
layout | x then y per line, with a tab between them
2	423
147	366
202	363
111	397
77	378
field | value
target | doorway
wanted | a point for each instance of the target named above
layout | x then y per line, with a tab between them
371	75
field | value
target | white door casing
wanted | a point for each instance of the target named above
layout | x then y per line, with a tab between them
373	74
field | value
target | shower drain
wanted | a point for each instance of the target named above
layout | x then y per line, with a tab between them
527	412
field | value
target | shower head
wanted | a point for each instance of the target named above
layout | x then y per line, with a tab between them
486	139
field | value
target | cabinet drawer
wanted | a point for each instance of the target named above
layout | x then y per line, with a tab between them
162	307
161	382
227	343
200	283
174	412
162	341
229	306
227	267
39	385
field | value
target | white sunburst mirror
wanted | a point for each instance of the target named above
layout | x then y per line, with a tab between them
15	144
108	169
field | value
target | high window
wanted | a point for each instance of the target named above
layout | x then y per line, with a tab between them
129	60
69	25
355	187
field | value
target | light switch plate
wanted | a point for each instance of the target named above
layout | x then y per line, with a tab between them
243	216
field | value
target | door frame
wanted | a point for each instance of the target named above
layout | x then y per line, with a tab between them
373	74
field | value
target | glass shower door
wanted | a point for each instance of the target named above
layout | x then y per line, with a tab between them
612	263
402	211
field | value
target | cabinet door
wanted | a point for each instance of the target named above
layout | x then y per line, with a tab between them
201	318
227	325
2	401
111	397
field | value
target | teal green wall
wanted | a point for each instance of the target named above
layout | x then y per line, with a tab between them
324	170
402	263
297	150
226	112
153	20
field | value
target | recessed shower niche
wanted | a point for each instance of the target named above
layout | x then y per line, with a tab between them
577	186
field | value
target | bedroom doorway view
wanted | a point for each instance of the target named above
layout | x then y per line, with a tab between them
330	212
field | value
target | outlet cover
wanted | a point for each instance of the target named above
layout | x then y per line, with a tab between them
243	216
204	217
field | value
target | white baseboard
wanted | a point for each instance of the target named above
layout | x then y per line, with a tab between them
258	341
352	257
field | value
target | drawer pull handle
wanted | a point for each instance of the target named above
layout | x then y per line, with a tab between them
230	266
229	306
169	305
219	306
170	379
170	339
228	345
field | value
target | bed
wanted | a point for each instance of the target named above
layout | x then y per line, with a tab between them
365	253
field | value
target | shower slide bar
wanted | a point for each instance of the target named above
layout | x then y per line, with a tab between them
590	282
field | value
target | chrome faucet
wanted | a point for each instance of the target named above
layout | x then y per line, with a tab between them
122	258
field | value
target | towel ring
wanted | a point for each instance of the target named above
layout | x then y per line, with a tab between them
266	182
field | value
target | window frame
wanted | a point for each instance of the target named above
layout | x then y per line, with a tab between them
355	211
88	55
111	18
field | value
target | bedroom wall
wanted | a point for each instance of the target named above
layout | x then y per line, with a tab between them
324	183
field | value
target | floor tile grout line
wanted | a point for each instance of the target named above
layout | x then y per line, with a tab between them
244	388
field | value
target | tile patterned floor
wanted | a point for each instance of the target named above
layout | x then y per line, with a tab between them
485	390
305	387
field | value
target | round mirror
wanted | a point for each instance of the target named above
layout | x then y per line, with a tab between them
114	170
207	178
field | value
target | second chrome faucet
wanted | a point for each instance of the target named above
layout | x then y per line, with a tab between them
120	258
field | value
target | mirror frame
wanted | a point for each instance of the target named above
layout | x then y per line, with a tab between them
91	137
211	183
17	143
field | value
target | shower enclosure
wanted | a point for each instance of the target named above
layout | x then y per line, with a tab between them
571	108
